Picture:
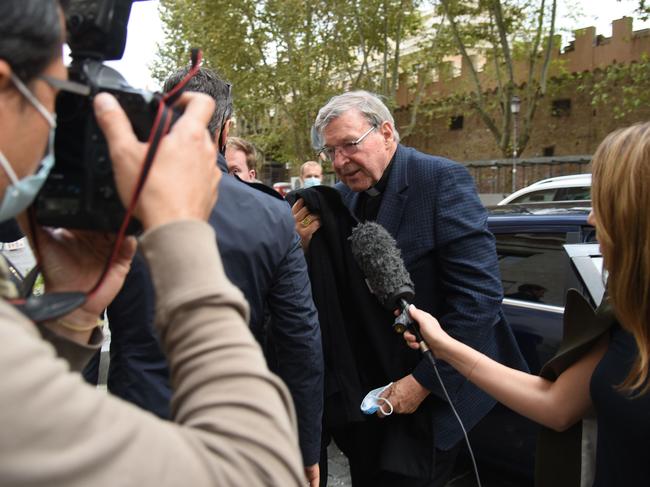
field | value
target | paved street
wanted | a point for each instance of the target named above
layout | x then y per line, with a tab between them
338	474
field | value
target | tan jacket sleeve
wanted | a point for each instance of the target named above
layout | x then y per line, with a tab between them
77	354
234	423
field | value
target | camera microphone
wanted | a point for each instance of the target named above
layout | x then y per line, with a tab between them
376	253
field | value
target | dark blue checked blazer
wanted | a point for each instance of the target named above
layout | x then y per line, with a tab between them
431	208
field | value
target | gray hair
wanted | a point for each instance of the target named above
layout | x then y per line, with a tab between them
209	82
368	104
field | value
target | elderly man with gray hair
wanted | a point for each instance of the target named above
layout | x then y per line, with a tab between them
430	206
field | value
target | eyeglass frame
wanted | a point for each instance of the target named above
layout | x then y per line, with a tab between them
347	149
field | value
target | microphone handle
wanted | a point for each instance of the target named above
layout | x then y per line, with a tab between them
404	322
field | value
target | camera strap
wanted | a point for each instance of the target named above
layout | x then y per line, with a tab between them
165	117
173	95
50	306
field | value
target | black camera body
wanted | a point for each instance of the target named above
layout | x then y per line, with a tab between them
80	192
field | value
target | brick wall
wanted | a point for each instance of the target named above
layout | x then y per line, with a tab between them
564	132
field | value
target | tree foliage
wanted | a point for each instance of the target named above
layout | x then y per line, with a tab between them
631	82
643	10
515	38
285	58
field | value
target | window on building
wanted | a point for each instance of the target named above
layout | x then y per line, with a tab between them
561	108
549	151
456	69
456	123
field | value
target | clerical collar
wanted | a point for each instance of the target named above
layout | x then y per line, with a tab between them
380	187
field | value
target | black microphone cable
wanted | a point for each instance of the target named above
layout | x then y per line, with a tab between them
412	326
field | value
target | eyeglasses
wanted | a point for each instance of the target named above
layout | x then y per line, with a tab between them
65	85
346	149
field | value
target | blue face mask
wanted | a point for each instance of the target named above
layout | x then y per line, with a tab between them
21	192
372	402
309	182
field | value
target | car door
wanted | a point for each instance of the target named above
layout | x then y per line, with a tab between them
536	272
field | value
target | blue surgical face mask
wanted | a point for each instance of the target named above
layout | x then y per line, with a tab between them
309	182
21	192
372	402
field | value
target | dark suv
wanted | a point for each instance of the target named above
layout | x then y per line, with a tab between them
541	255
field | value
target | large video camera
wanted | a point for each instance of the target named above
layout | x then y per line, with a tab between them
80	192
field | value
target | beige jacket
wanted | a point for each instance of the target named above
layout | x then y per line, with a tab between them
234	423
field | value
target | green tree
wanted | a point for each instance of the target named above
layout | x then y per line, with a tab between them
631	82
516	38
285	58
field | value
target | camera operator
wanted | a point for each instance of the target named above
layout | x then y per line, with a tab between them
233	422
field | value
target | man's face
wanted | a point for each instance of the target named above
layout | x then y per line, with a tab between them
25	130
236	160
364	168
313	172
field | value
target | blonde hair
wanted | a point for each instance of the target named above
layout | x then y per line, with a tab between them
621	199
307	164
247	148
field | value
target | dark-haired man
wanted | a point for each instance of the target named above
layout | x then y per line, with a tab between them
262	256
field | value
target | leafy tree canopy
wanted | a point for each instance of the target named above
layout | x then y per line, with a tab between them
286	58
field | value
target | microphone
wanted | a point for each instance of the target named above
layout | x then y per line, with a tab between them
376	253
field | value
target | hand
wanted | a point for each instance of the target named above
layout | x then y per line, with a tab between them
74	261
405	395
312	473
430	330
183	180
302	216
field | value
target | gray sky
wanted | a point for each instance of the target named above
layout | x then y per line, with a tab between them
145	30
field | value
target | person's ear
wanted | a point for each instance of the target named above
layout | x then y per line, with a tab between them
252	173
387	131
5	75
226	131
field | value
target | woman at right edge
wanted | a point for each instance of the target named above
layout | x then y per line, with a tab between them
611	377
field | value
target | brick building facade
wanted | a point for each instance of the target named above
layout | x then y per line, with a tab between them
566	122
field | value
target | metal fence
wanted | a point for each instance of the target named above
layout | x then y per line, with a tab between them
495	176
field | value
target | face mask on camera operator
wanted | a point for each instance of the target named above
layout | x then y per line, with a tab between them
21	193
26	114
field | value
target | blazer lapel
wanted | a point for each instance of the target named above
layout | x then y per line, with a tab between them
394	198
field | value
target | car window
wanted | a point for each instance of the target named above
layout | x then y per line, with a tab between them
541	196
533	266
582	193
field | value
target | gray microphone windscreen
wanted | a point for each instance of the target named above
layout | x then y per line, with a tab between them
376	253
